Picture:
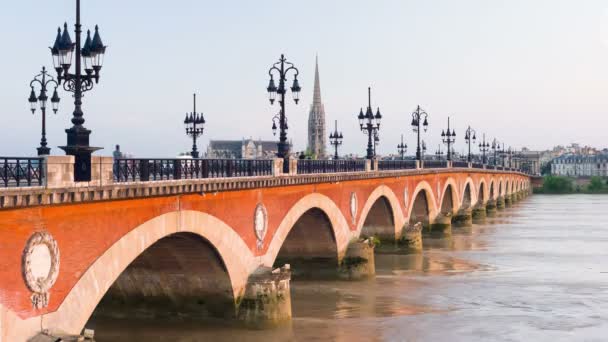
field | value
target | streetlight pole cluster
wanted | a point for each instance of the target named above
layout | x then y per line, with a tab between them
484	147
281	69
335	139
402	148
43	80
370	125
195	125
90	55
448	138
470	137
419	120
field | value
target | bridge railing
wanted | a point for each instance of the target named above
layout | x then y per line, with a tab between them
19	171
385	165
434	164
478	166
132	170
309	166
460	164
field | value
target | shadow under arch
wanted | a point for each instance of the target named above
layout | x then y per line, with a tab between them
180	275
379	221
83	298
423	207
481	193
449	200
310	248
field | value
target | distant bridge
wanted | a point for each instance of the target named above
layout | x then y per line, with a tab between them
204	235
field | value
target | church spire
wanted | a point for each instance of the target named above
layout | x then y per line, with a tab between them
316	98
316	119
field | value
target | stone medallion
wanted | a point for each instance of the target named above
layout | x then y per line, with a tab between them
353	206
40	267
260	224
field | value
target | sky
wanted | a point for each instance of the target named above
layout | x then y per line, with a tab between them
526	72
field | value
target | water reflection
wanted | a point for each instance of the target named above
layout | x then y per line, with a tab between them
534	272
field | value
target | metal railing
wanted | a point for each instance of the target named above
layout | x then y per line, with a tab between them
396	165
309	166
477	166
131	170
434	164
18	171
460	164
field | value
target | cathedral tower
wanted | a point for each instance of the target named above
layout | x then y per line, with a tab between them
316	120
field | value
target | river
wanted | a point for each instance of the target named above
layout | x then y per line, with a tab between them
536	272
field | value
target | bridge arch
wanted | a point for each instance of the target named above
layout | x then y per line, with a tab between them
321	207
450	201
423	207
469	194
482	192
381	214
492	192
83	298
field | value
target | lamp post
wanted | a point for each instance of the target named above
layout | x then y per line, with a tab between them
417	117
195	125
484	147
448	138
470	137
335	139
281	69
496	149
439	152
370	125
402	148
43	80
503	154
91	55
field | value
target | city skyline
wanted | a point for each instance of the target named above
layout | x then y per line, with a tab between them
473	61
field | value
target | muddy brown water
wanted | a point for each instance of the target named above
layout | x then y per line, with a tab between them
538	271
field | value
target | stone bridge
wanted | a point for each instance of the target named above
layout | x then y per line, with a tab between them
213	246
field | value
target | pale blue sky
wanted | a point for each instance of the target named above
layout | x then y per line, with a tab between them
530	72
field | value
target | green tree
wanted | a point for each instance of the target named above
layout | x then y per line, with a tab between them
595	185
557	185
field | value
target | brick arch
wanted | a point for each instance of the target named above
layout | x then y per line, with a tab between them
501	187
338	222
382	191
482	184
430	200
456	194
79	304
473	191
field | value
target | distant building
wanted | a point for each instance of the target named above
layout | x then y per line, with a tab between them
527	161
317	139
578	165
242	149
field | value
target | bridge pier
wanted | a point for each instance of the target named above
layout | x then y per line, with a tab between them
359	262
491	207
442	224
479	213
508	201
267	298
500	202
410	241
463	218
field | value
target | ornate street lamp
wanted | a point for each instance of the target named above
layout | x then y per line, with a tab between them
417	117
439	152
91	55
503	154
282	68
195	125
496	149
470	137
335	139
484	147
370	125
448	138
402	148
43	80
